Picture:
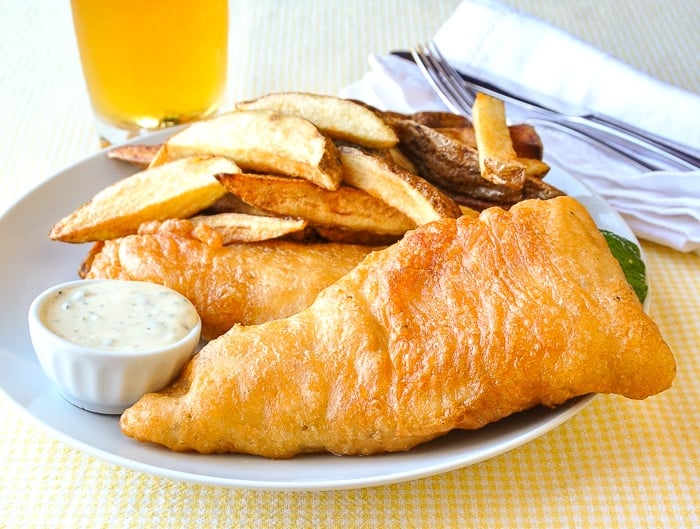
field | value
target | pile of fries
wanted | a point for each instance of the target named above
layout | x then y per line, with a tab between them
316	167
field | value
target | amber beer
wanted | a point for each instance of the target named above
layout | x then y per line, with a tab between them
150	64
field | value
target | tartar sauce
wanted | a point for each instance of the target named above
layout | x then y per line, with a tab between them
116	315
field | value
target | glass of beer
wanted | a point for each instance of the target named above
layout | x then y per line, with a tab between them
151	64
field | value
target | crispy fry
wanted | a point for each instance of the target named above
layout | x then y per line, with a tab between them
497	159
173	190
262	141
461	134
136	154
537	188
402	160
526	142
469	212
241	227
407	192
447	163
533	188
346	207
534	168
338	118
438	120
230	203
345	236
477	204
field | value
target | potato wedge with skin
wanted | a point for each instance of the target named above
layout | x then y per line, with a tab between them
498	161
142	155
425	146
262	141
241	227
177	189
447	163
469	212
341	119
534	188
461	134
230	203
136	154
345	236
538	188
419	200
436	119
402	160
346	207
526	142
469	202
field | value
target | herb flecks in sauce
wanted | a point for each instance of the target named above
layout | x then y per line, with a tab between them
120	315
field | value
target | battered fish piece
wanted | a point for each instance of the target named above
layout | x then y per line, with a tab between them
459	324
244	283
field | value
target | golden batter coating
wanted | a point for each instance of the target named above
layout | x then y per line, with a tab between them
461	323
245	283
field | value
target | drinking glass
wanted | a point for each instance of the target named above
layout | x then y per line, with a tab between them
150	64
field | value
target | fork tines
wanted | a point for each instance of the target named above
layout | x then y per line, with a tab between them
444	79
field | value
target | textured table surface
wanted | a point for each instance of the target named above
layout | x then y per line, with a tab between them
619	463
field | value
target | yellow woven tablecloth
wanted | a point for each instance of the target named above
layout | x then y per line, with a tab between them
619	463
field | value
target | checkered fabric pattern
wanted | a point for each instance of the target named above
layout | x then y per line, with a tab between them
617	464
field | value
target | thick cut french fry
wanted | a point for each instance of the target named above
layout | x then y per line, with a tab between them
241	227
419	200
177	189
498	161
346	207
338	118
263	141
534	168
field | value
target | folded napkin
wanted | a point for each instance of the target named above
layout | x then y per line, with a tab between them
512	49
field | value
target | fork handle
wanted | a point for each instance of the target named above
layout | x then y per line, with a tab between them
684	152
595	139
631	139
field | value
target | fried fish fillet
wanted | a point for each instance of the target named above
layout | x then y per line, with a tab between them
461	323
245	283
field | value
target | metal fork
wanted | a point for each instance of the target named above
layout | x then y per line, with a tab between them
459	95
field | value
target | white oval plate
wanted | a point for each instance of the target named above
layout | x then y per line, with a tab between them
31	263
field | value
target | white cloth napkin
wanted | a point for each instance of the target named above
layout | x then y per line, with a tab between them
496	42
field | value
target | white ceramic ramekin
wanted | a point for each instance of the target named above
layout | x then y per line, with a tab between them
98	380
